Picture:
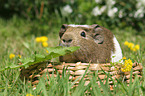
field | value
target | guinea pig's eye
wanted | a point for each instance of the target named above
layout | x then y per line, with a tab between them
83	34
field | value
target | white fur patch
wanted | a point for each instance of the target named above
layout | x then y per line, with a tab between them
117	54
72	25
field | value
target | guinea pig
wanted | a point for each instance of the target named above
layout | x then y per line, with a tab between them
97	44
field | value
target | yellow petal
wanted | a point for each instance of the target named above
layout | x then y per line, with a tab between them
11	56
124	57
29	95
122	70
137	47
44	39
19	56
134	49
126	43
130	45
45	44
38	39
47	51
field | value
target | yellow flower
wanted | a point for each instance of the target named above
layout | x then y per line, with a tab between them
45	44
130	45
44	39
124	57
47	51
137	47
29	95
41	39
19	56
126	43
11	56
133	49
38	39
126	67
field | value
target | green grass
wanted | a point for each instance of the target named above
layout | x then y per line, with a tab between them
18	36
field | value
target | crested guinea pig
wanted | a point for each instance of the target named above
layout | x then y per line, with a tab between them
97	44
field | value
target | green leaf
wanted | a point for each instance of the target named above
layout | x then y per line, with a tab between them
62	50
37	58
26	45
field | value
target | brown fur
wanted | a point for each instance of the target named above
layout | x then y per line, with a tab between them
91	47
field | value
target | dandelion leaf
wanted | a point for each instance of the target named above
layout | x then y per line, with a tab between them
37	58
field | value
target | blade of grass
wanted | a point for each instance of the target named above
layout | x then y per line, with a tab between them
130	84
42	82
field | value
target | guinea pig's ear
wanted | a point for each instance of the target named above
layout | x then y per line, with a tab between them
95	26
99	39
62	30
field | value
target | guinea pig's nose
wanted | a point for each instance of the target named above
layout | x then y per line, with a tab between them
67	40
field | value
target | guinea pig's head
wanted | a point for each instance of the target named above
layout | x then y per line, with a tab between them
95	42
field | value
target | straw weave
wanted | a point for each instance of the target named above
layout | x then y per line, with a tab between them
76	70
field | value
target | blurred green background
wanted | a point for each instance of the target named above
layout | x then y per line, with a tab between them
108	13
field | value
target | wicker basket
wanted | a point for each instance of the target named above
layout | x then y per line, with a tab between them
76	70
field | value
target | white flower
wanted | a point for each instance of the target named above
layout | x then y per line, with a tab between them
98	1
103	9
139	13
120	14
66	10
140	3
112	12
130	15
72	1
113	2
110	3
98	11
140	9
80	15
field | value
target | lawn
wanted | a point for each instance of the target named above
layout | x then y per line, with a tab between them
18	35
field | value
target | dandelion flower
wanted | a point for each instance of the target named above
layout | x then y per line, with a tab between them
29	95
44	39
124	57
137	47
45	44
130	45
11	56
41	39
47	51
133	49
38	39
19	56
126	67
126	43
